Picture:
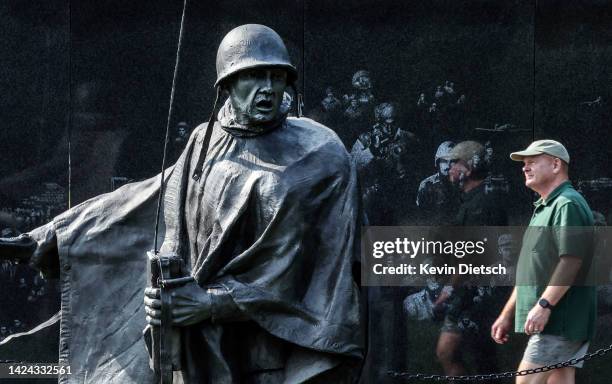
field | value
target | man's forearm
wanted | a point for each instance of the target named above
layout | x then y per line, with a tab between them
562	278
508	310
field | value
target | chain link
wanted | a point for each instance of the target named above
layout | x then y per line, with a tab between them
501	375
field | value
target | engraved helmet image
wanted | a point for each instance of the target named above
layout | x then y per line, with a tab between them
361	80
443	151
385	112
472	152
252	46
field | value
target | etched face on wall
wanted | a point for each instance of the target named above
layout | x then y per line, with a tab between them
256	94
459	170
443	166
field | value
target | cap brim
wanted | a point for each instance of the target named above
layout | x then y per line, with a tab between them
520	155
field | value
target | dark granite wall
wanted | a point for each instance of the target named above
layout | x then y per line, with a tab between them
92	79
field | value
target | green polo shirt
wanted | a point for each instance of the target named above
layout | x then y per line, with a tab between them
547	239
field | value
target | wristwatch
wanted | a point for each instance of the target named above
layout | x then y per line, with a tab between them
545	304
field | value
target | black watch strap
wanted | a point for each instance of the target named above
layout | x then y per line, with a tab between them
545	304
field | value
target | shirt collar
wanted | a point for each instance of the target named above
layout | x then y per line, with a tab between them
556	192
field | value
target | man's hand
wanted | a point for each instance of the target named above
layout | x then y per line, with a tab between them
536	319
191	304
501	328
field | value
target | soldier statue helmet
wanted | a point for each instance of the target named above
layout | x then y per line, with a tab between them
252	46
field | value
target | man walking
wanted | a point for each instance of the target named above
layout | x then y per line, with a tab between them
547	302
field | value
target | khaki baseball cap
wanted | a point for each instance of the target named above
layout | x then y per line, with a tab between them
539	147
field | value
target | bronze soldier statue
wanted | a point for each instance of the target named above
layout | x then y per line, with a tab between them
265	222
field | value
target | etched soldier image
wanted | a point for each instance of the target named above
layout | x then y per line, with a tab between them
358	109
261	208
388	139
182	133
179	140
421	101
436	194
362	83
508	248
330	103
382	157
354	110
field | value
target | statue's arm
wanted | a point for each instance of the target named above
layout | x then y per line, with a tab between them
17	248
37	248
223	307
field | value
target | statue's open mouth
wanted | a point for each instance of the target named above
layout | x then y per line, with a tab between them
264	105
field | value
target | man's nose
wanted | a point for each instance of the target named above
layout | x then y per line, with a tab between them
525	168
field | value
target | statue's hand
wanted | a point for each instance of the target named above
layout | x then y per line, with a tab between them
191	304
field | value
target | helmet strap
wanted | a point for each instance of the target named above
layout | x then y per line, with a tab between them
299	104
197	173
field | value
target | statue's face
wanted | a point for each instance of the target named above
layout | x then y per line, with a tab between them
256	94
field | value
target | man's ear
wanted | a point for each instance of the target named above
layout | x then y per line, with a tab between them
557	166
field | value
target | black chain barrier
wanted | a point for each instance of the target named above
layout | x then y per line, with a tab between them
501	375
483	377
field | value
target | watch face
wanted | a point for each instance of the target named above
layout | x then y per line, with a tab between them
544	303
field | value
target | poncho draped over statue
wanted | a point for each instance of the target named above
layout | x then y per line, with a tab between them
272	223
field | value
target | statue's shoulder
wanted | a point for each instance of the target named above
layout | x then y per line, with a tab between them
315	132
322	145
198	131
433	179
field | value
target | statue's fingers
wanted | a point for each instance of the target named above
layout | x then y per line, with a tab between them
152	292
181	320
181	311
153	303
154	313
153	321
